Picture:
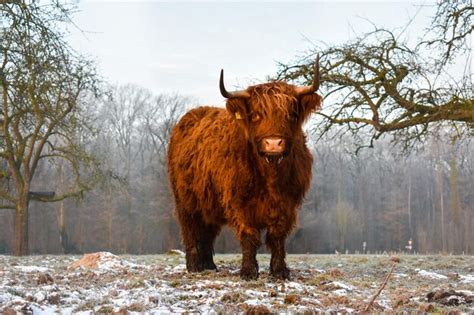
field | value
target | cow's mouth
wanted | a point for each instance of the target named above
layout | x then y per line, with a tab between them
273	159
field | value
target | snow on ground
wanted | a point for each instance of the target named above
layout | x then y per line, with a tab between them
159	284
32	269
430	274
467	279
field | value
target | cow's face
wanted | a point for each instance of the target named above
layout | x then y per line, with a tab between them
271	118
271	114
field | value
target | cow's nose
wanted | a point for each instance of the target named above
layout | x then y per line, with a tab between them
273	145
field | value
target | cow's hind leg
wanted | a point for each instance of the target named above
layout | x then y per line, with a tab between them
191	233
198	240
206	245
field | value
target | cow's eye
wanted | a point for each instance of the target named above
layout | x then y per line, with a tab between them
255	117
294	117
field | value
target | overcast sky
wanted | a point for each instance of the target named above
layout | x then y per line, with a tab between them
180	46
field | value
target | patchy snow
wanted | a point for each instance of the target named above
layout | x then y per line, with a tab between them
467	278
385	303
32	269
42	310
400	275
39	297
180	267
343	286
295	286
432	275
253	302
466	292
161	285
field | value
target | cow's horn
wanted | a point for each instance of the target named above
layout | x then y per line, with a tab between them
234	94
303	90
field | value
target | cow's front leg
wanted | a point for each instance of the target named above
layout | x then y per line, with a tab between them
249	243
276	245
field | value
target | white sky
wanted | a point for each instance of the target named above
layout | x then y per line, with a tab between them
181	46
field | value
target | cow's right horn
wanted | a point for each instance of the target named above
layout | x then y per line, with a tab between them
234	94
303	90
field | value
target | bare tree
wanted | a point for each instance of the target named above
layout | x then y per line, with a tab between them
42	81
451	28
158	123
378	83
137	125
160	120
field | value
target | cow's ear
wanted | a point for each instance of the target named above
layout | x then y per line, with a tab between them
237	108
310	103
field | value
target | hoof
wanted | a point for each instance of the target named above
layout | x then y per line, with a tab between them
249	274
194	268
193	264
210	266
281	274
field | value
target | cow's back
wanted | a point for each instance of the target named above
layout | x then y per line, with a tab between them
194	152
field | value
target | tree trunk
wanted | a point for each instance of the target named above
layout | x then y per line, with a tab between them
441	206
410	228
63	237
21	226
60	213
110	218
456	209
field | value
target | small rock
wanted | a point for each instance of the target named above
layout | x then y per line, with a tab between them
257	310
292	299
45	278
155	299
54	298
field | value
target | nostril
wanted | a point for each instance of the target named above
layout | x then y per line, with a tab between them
275	145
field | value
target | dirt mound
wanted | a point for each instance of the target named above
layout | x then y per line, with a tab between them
176	252
97	261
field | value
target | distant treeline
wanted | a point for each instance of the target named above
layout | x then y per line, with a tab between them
377	197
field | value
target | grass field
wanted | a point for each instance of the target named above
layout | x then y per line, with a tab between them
159	284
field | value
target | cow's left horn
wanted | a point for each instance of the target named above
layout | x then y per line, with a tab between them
234	94
303	90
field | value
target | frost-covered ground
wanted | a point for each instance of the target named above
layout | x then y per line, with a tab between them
159	284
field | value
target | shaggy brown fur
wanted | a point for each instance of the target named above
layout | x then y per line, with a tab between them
220	174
